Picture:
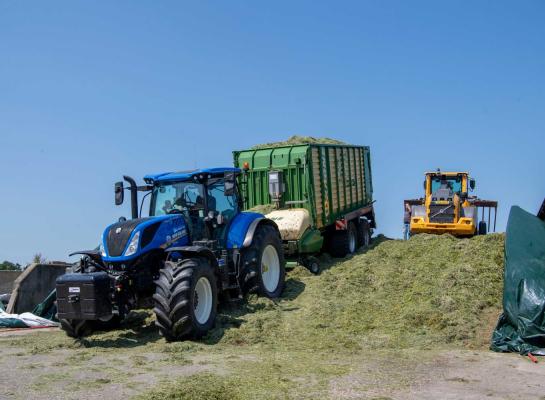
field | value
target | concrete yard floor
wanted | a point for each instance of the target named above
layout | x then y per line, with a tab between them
28	372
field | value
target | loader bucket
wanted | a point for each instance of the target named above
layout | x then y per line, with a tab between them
521	327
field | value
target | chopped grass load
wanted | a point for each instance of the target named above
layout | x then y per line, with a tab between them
295	139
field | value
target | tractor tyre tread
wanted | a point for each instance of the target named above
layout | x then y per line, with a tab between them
251	261
173	300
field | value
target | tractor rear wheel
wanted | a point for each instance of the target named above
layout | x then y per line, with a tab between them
364	233
343	242
185	298
263	264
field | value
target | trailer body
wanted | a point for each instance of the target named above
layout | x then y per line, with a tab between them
324	187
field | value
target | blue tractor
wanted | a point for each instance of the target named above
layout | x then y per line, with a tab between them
195	246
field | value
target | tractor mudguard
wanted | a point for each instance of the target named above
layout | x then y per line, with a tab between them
194	251
250	233
238	228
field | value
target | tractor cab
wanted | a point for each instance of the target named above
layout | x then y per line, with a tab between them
207	199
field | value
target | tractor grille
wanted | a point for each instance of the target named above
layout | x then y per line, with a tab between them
445	217
116	242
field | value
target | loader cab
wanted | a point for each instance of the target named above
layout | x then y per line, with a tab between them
439	181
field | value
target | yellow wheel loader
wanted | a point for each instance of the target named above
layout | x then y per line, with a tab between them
447	207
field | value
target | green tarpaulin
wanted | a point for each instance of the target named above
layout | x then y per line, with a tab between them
47	308
521	327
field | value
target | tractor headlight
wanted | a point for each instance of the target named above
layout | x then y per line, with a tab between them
101	249
133	245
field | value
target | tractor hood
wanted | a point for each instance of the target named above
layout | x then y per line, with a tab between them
124	241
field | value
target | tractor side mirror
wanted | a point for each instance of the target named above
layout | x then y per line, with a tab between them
229	183
119	193
472	184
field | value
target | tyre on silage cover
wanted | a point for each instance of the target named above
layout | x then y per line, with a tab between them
343	242
185	299
263	264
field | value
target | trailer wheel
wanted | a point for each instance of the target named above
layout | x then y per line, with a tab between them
263	265
185	298
344	242
313	265
364	234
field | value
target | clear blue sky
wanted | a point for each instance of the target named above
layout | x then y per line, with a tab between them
93	90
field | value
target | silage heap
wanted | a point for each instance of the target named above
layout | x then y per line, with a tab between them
296	139
431	291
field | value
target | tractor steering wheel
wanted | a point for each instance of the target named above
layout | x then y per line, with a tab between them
174	211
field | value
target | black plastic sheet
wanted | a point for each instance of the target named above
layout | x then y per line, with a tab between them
521	327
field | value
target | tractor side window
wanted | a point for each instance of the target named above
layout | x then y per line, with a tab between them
164	198
218	201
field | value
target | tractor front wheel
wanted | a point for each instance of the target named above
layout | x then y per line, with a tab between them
76	328
185	298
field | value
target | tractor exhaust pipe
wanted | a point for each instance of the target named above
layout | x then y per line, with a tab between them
134	195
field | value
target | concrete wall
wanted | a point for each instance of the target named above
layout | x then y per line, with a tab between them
33	286
7	280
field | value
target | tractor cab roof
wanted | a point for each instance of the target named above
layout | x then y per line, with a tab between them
182	176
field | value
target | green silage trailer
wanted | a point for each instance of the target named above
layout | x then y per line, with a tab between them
322	195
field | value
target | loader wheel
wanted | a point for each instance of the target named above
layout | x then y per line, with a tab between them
482	228
76	328
343	242
263	264
185	298
364	234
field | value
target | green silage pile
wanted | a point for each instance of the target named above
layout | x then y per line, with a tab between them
295	139
393	301
426	292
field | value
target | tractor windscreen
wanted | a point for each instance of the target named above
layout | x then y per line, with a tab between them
176	197
454	183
